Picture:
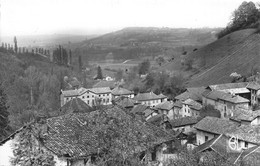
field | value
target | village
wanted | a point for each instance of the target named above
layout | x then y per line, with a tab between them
222	118
175	87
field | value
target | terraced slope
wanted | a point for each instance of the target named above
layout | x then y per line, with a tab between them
237	52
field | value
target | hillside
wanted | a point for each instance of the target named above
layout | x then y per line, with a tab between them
236	52
136	43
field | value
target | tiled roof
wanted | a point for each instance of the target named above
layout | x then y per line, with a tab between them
218	95
177	104
75	105
80	91
248	154
215	125
146	96
183	121
245	115
100	90
194	93
139	109
193	104
247	133
217	144
166	105
253	85
157	119
81	135
124	102
228	86
121	91
102	83
187	95
68	93
162	96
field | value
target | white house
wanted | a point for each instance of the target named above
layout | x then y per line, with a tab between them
119	91
91	96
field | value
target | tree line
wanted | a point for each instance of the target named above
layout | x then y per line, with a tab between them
247	15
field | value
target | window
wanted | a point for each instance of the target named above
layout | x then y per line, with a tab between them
107	94
103	94
246	144
104	100
99	95
206	138
88	101
108	100
87	96
83	97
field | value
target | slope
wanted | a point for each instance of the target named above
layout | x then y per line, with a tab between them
237	52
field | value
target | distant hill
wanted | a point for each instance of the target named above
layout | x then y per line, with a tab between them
237	52
137	42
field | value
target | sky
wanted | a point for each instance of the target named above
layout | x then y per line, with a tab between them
87	17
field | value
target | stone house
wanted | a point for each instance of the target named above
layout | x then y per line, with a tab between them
190	108
210	127
165	108
185	124
224	102
254	88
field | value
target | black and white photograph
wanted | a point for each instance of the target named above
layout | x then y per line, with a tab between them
129	83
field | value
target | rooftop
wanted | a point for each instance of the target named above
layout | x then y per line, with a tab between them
124	102
121	91
220	87
193	104
78	135
81	91
247	133
166	105
75	105
146	96
183	121
103	83
216	125
253	85
218	95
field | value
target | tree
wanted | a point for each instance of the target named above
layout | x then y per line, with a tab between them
80	63
4	122
246	16
144	67
99	73
160	60
119	75
209	110
15	44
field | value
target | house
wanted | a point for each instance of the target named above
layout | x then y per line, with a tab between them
210	127
120	91
239	88
254	91
194	93
177	109
75	105
246	117
124	102
92	96
149	99
226	103
75	139
166	108
143	111
185	124
159	120
249	156
190	108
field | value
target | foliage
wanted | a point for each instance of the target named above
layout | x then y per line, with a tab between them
208	158
28	150
60	56
160	60
209	110
15	45
246	16
99	73
119	75
143	68
4	121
